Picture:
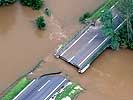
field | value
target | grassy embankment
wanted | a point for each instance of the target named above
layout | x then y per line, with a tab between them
14	91
69	92
98	12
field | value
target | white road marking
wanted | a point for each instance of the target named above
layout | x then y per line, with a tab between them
84	34
55	89
92	52
71	59
92	38
115	17
24	89
44	85
120	25
88	43
75	42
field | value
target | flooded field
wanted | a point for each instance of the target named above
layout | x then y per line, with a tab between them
22	46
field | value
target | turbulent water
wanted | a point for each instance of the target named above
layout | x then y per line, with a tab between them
22	45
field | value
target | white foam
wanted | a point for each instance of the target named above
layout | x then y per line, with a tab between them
67	98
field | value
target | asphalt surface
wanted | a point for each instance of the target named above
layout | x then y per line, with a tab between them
43	88
88	43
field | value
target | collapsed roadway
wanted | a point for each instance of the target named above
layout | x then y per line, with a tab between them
88	43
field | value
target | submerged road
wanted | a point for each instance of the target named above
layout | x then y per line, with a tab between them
42	88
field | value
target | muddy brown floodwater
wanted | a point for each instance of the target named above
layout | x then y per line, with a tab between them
22	45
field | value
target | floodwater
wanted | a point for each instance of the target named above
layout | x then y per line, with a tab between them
22	45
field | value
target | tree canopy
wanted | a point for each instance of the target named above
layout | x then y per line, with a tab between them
40	22
34	4
125	8
6	2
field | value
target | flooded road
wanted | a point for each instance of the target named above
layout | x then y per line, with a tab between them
22	45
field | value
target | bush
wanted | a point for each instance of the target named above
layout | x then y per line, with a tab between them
71	91
131	45
6	2
40	22
47	12
83	18
34	4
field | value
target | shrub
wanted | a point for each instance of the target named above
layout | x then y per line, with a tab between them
47	12
83	18
70	91
40	22
6	2
34	4
131	45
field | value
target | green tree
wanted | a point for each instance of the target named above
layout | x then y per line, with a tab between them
6	2
47	11
108	30
83	18
40	22
126	10
34	4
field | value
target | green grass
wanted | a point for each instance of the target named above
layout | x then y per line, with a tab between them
21	84
97	13
69	91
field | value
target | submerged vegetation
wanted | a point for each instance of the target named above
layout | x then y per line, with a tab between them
34	4
83	18
47	12
40	22
6	2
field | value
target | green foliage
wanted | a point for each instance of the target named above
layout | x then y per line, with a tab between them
98	13
71	91
40	22
34	4
115	42
47	12
126	10
108	30
83	18
16	89
131	45
125	37
6	2
125	7
106	20
118	38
